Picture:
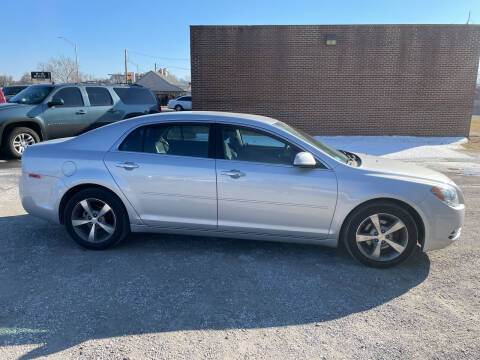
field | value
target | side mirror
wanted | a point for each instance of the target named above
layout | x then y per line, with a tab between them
304	159
56	102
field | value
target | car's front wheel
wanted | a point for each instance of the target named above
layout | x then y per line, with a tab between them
178	108
18	139
380	234
96	219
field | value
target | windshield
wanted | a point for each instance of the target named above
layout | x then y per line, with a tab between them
336	154
32	95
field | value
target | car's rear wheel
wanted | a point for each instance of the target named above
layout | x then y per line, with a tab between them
96	219
18	139
380	234
178	108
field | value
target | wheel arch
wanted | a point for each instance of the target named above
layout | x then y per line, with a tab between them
74	190
411	210
31	123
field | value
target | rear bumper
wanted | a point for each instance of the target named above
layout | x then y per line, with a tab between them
444	223
39	196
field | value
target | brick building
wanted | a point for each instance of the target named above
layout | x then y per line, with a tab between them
376	80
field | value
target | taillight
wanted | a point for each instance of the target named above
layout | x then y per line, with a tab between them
159	107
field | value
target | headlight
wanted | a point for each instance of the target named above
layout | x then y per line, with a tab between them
446	193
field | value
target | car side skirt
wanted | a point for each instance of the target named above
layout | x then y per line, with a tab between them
329	242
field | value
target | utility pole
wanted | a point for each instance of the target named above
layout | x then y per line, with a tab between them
155	67
76	54
126	74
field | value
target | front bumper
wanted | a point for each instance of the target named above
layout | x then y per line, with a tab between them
443	223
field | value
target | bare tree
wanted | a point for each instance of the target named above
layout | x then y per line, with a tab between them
63	69
5	80
25	79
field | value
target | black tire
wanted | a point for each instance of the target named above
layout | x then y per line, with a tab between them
358	217
121	228
178	108
8	143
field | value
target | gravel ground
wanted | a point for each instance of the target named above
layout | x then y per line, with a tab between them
183	297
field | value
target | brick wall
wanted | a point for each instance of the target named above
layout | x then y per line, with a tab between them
378	80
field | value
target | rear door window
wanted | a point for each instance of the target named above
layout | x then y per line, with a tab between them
135	96
71	96
179	139
99	96
134	141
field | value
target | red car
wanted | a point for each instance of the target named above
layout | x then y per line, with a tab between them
2	97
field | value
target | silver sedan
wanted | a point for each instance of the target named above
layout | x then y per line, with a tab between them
241	176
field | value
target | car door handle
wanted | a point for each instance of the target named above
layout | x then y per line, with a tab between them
127	165
81	112
112	110
233	173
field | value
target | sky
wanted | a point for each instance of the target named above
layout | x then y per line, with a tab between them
102	29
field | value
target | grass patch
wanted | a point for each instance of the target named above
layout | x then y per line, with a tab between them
475	127
474	139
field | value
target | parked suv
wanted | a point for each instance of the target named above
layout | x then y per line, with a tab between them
47	111
12	90
181	103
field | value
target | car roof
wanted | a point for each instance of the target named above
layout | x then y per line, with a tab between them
101	139
96	138
58	85
203	116
99	84
16	85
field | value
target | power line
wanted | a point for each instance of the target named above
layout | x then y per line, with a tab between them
158	57
164	65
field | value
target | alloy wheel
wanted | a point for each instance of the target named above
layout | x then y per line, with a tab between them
382	237
22	141
93	220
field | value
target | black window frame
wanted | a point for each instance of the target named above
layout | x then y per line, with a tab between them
70	87
211	138
220	152
99	87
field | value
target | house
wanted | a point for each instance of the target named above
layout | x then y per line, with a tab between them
163	85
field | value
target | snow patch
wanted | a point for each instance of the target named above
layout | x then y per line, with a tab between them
401	147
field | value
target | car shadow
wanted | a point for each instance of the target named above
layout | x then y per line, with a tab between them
9	163
57	294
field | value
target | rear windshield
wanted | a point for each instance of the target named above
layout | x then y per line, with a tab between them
12	90
135	96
